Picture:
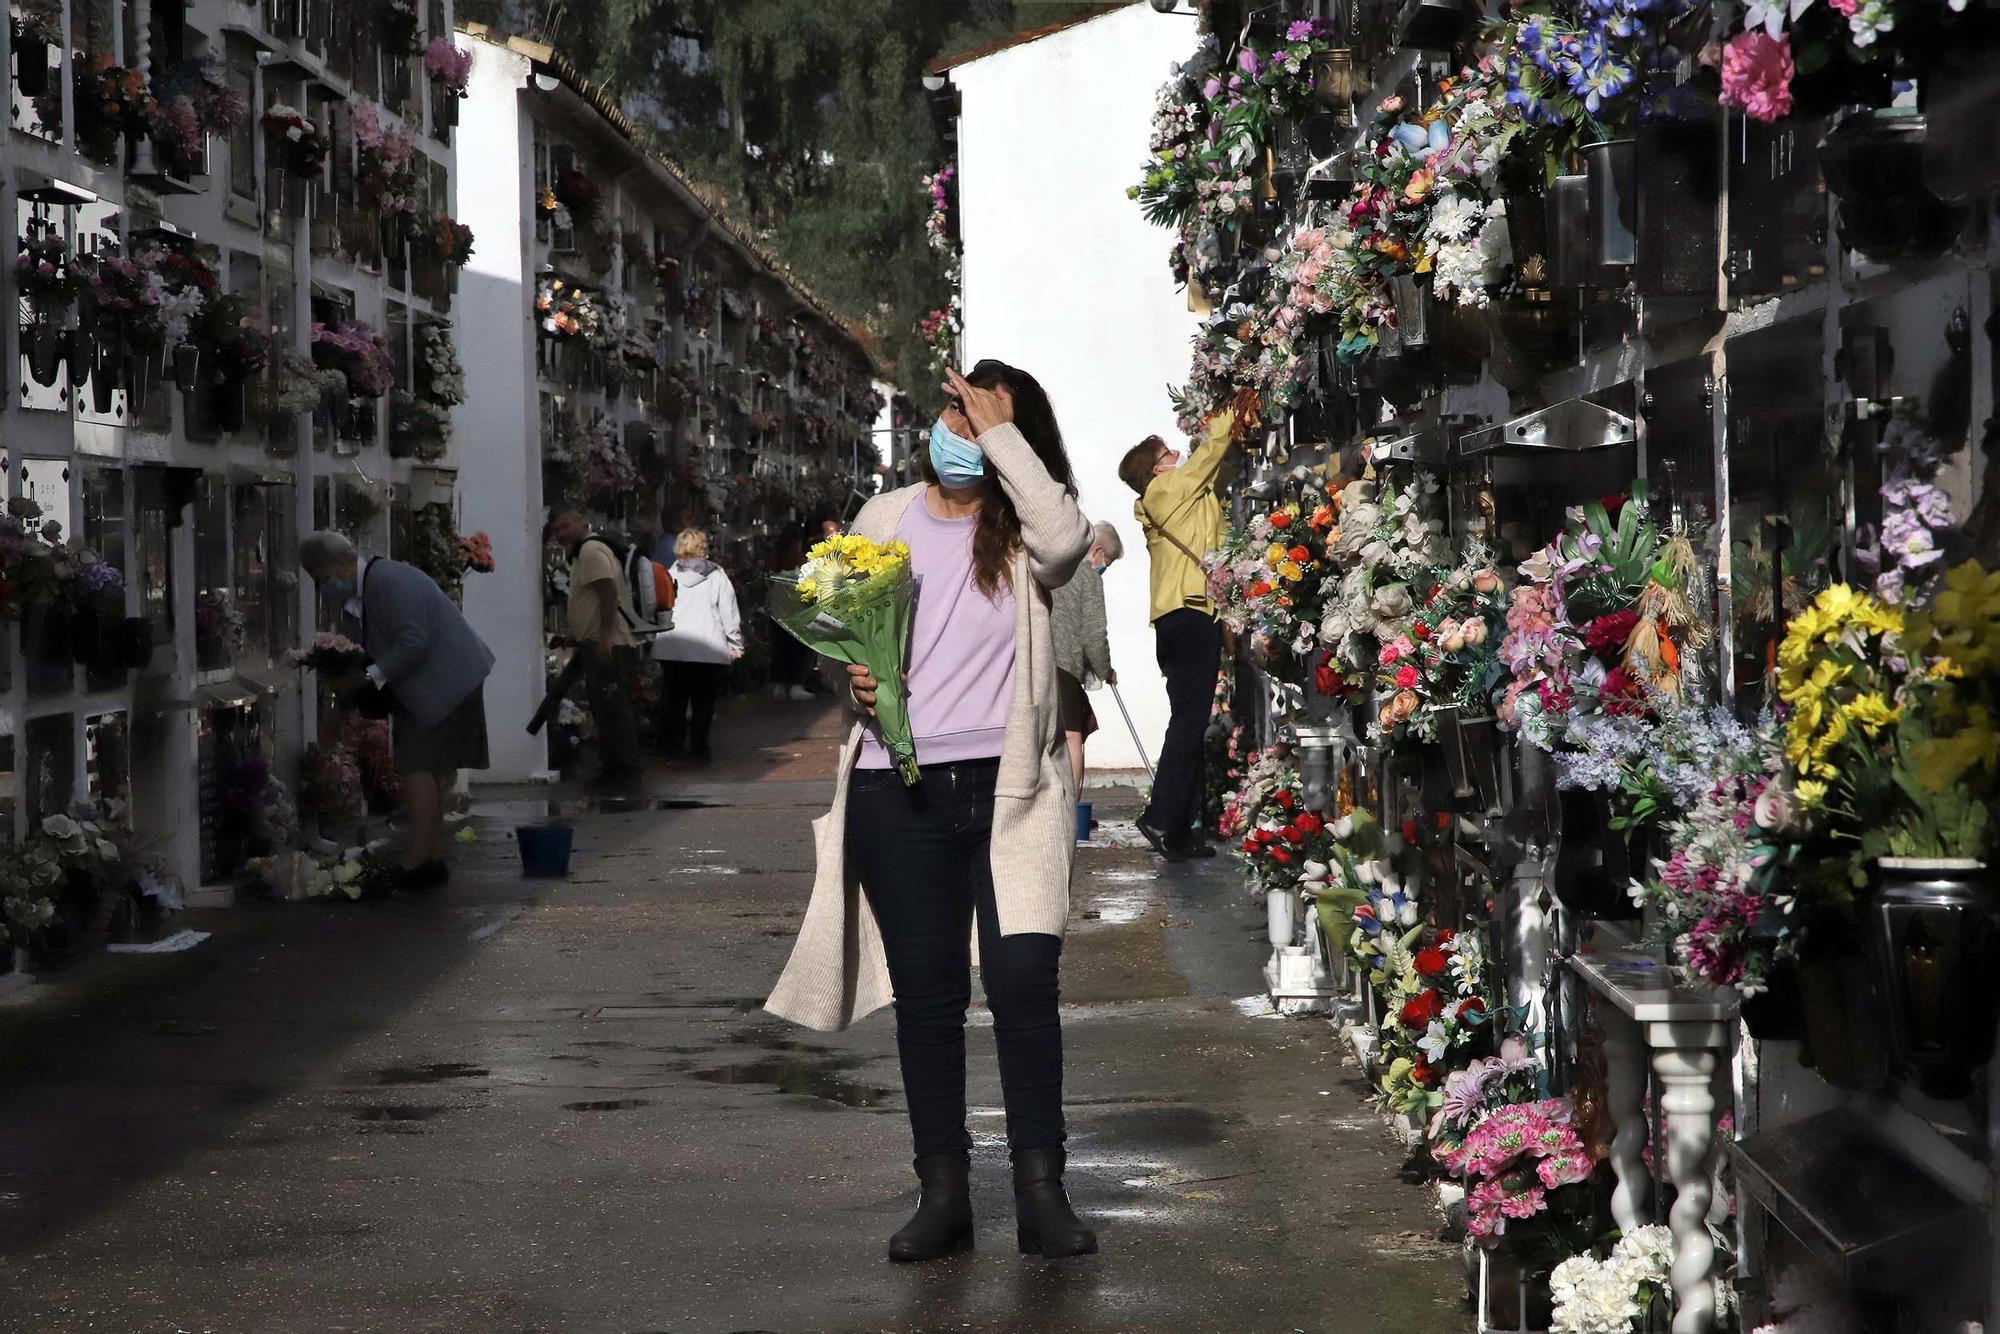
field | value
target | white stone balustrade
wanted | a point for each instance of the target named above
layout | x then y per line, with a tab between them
1686	1037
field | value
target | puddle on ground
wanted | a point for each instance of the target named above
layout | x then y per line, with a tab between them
1118	909
400	1118
437	1072
806	1078
608	1105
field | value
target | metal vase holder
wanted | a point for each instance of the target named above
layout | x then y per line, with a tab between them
1472	756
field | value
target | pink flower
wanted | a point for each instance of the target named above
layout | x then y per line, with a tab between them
1475	632
1757	74
1564	1169
1406	676
1846	7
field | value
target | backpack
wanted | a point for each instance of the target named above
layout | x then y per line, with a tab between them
645	589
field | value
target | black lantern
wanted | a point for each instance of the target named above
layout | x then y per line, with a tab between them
1936	948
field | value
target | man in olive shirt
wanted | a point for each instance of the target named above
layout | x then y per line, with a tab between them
597	624
1182	518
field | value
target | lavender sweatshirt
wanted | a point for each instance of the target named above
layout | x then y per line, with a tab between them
961	649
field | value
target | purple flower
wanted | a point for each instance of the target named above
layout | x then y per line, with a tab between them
1212	89
1300	31
1247	61
1933	505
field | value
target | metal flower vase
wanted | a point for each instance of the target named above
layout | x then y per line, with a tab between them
1513	1298
1472	756
1412	293
1936	948
1612	169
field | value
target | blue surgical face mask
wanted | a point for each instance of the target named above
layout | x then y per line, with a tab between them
958	462
337	590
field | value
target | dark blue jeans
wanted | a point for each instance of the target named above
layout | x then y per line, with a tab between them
923	856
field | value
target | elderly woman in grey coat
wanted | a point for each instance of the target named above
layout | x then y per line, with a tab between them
979	851
1083	645
432	666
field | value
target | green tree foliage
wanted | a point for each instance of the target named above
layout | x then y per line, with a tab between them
809	115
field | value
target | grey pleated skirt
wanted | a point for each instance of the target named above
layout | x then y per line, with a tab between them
457	741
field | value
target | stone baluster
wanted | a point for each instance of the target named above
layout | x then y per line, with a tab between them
1687	1098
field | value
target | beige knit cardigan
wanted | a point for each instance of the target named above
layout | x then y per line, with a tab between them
837	973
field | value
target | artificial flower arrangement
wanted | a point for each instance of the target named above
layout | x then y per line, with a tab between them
852	601
1388	537
63	855
443	376
40	20
937	223
1527	1174
1437	1016
330	784
386	174
357	351
329	655
1424	201
1889	740
399	21
134	290
1447	653
1272	576
1600	621
1264	774
28	575
418	427
577	195
90	583
1611	1295
453	240
439	551
1575	70
305	140
301	384
1905	554
608	466
448	65
564	310
46	275
224	327
1180	143
111	99
220	628
1835	53
477	553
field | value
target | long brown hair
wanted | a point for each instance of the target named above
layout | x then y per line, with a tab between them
998	535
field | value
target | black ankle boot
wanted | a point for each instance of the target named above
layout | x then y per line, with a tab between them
1045	1224
942	1224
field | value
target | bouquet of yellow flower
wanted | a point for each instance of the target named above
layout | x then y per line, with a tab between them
852	601
1890	738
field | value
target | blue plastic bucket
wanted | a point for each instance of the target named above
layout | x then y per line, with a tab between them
545	848
1083	822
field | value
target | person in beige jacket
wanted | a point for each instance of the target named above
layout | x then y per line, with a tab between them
984	843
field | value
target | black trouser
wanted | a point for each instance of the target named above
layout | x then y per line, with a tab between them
923	855
687	703
792	663
1190	654
608	680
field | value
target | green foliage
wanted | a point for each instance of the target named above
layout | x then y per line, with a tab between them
810	118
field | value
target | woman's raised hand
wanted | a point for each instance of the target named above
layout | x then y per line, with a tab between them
984	408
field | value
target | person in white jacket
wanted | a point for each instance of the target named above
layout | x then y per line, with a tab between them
695	655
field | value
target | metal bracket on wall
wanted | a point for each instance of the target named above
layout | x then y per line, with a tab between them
1572	425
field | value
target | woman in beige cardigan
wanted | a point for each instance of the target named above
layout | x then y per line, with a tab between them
986	840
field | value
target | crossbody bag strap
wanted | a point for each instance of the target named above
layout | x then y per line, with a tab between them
1161	529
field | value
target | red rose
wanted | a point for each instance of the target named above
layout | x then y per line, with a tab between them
1422	1073
1281	520
1286	800
1406	676
1300	556
1409	831
1309	823
1260	589
1446	935
1430	962
1281	857
1622	693
1291	833
1612	504
1471	1005
1606	635
1420	1009
1420	631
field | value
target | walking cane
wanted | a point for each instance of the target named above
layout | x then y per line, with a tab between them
1137	744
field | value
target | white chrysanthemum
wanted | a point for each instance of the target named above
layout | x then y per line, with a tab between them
1453	218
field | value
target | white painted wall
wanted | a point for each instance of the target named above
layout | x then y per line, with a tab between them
495	432
1065	279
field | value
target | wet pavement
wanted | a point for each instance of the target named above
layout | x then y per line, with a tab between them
556	1106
